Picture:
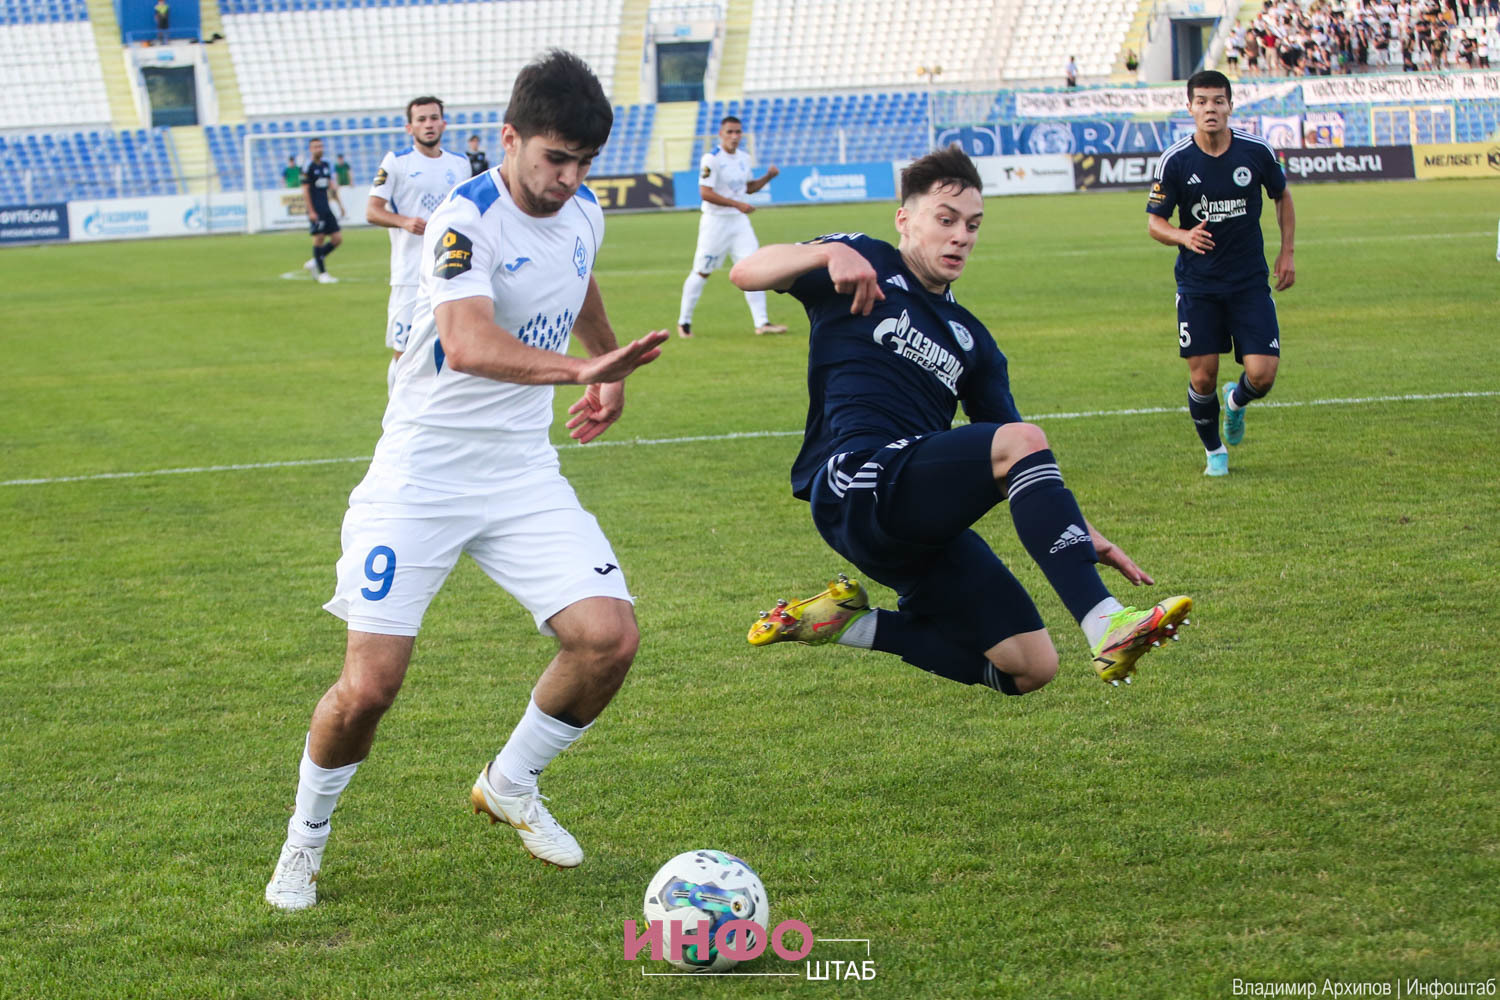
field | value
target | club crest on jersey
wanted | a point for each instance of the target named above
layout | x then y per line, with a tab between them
1242	176
962	335
454	253
906	341
580	258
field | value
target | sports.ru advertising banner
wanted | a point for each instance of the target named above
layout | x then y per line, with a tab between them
1351	163
821	183
1458	159
31	223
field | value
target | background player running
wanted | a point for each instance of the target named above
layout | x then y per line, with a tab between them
1215	177
895	489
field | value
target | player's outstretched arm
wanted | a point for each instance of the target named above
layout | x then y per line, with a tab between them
780	264
475	345
1111	554
602	403
1285	270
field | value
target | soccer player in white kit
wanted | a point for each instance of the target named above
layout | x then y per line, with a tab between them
725	179
464	465
409	186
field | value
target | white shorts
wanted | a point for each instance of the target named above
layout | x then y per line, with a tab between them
533	539
720	236
398	316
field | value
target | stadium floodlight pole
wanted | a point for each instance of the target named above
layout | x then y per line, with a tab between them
930	74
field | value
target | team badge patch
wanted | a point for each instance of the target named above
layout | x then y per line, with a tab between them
1242	176
962	335
380	177
454	253
708	172
580	258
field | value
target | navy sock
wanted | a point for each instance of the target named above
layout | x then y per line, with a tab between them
1052	528
923	644
1244	392
1205	413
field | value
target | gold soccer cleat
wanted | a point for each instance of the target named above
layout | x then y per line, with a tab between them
815	621
1131	633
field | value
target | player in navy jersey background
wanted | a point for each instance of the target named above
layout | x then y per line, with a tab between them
318	183
1214	177
895	488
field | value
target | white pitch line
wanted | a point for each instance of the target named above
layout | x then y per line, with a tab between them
1410	397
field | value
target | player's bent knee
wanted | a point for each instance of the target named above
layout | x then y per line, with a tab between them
1029	659
366	696
1013	442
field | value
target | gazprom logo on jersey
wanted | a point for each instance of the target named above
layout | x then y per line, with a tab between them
906	341
117	221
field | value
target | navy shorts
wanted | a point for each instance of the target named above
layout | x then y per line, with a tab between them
324	225
903	515
1212	323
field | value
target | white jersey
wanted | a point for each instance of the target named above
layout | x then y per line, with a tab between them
447	430
414	184
727	174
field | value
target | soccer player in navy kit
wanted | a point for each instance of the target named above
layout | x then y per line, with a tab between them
895	488
318	183
1215	177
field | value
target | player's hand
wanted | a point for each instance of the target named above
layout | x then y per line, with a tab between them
414	225
772	171
615	365
1286	271
1111	554
745	207
598	408
853	275
1198	239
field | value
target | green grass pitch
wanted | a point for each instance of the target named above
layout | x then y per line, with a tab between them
1304	788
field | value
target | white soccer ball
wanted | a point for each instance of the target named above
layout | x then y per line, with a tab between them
712	886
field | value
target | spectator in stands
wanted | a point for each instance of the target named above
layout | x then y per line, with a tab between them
725	179
1232	46
1070	75
291	174
163	14
341	170
318	185
478	162
1132	61
1252	53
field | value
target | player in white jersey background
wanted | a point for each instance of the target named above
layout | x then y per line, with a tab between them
409	186
465	465
726	177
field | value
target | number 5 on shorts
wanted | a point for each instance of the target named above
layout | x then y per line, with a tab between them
383	576
1183	337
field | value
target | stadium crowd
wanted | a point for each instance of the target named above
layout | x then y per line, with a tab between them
1325	37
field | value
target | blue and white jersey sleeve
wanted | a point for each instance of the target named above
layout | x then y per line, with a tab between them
460	253
384	185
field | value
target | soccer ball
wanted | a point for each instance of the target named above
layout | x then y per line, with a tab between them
706	885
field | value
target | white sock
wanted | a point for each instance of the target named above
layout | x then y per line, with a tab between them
1096	622
1220	450
1229	401
537	738
692	291
861	632
757	302
318	791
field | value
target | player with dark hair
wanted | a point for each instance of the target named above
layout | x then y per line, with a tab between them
409	186
318	185
1215	177
726	177
896	489
478	162
464	464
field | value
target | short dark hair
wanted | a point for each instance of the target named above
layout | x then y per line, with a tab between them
940	168
729	118
561	95
1210	79
473	138
419	101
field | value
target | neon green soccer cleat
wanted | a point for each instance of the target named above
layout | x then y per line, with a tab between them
815	621
1131	633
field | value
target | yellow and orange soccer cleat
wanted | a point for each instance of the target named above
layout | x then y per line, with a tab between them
1131	633
815	621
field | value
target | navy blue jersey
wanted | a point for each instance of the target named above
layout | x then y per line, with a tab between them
896	373
318	176
1225	191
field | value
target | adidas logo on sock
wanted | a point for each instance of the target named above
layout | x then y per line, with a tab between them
1071	535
